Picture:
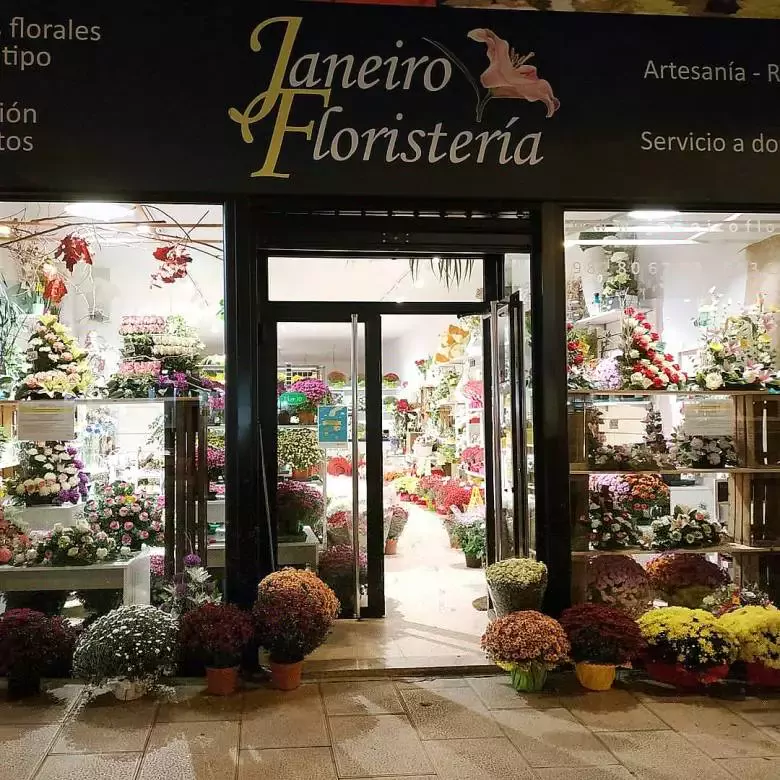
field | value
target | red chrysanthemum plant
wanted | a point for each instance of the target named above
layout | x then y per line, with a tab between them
602	635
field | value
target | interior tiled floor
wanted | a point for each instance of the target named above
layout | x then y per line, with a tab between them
430	620
455	728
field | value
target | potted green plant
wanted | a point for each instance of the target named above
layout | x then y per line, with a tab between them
526	644
293	614
515	584
298	449
601	638
128	649
30	644
217	634
471	537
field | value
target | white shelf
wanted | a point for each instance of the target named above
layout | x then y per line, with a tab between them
602	318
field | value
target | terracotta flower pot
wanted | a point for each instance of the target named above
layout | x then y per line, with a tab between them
306	418
472	562
680	677
286	677
391	546
301	474
222	681
595	677
759	674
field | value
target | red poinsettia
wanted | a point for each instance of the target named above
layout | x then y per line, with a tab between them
54	291
173	264
73	249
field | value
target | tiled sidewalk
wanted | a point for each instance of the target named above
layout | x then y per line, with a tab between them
450	728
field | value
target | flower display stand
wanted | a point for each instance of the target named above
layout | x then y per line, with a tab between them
131	576
46	516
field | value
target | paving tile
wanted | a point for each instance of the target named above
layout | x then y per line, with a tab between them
22	748
430	683
313	763
759	712
752	768
374	697
612	710
192	704
197	738
276	719
585	773
103	766
661	755
51	706
485	759
552	738
449	713
369	745
176	762
718	731
497	693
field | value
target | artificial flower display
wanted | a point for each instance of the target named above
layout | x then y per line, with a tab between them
619	581
58	366
128	515
702	452
644	363
757	632
731	597
610	528
49	473
76	545
687	646
173	264
736	350
686	527
577	349
527	644
626	457
73	249
684	578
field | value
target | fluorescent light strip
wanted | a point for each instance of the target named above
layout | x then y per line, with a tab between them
629	241
733	217
652	229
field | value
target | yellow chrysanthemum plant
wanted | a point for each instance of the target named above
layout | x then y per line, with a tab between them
687	647
527	644
757	632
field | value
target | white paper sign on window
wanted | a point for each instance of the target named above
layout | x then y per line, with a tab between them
46	421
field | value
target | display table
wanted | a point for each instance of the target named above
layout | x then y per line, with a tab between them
131	576
304	553
45	517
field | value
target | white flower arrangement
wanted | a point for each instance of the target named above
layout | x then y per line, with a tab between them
685	527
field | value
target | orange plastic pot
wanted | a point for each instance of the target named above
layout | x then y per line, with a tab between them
391	546
221	682
595	677
286	677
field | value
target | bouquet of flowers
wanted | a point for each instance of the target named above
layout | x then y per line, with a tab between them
474	390
316	391
684	578
611	528
58	366
604	374
423	365
405	416
337	379
13	537
702	452
474	459
688	638
736	350
644	364
630	457
619	278
77	545
686	527
731	596
128	515
298	448
391	380
297	504
577	349
339	466
601	635
526	644
49	473
619	581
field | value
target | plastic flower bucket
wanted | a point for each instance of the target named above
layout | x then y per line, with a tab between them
760	674
680	677
595	677
530	679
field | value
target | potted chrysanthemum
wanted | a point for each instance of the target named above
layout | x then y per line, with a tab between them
619	581
395	522
686	647
684	579
515	584
293	614
298	504
298	448
527	644
337	569
316	392
602	638
217	634
757	632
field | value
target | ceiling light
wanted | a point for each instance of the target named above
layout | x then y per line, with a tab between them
662	228
628	241
99	211
144	229
419	282
650	214
5	230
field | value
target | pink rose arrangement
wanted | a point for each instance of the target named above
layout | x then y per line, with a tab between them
145	324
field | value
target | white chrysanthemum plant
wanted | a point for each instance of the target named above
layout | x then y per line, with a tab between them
58	366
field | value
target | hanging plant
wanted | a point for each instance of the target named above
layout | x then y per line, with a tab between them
173	264
450	270
73	249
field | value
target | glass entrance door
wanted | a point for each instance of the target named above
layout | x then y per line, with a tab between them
511	440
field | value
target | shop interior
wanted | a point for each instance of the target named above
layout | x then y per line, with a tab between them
672	375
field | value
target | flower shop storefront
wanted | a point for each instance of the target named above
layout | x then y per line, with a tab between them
627	412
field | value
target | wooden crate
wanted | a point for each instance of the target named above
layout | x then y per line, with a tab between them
757	430
578	456
754	501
